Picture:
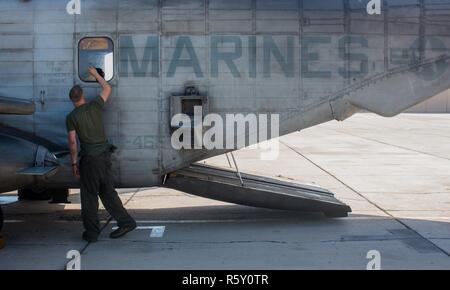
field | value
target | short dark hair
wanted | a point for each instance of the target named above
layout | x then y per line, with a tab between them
76	93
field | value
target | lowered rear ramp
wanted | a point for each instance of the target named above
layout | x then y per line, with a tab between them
225	185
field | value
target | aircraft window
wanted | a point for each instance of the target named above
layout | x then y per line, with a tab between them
98	52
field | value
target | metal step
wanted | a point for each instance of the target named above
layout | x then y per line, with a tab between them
37	171
225	185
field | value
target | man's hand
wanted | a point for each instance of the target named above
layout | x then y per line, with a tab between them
106	88
75	172
93	71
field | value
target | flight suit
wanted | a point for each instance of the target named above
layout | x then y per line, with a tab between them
97	181
96	176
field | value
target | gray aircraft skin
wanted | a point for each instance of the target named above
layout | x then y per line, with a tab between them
308	61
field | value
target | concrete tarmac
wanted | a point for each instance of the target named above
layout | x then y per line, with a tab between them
394	173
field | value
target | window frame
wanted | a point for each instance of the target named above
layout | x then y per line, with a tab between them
77	56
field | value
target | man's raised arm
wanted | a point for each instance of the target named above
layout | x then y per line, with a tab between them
106	88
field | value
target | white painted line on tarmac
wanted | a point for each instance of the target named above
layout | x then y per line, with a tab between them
155	231
13	221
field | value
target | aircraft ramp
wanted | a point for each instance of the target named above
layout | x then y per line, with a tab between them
251	190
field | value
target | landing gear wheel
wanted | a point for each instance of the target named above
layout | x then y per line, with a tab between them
34	194
59	195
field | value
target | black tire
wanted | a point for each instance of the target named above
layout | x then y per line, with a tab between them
34	194
1	219
59	195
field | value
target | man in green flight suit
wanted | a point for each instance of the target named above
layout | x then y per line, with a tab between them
94	170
